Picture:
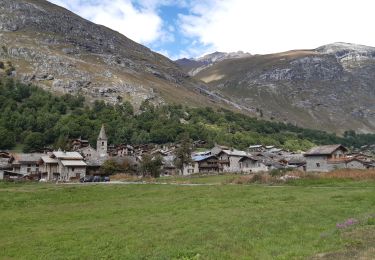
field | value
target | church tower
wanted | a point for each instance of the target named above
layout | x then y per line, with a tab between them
102	142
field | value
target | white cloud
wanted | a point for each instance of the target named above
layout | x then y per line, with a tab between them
265	26
141	24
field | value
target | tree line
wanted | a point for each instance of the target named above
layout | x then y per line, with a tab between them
35	118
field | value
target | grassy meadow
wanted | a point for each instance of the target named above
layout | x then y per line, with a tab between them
154	221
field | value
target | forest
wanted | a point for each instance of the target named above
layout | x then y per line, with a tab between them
33	118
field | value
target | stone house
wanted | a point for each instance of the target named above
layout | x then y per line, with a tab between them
63	166
27	164
229	160
326	158
249	164
5	163
202	164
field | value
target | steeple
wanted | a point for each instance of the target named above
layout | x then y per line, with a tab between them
102	142
102	134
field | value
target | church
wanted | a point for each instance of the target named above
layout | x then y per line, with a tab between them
101	150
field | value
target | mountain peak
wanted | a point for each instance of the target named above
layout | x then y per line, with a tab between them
343	46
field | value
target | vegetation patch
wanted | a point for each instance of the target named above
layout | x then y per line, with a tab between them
34	118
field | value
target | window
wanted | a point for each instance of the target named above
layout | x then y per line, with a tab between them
102	143
318	165
73	169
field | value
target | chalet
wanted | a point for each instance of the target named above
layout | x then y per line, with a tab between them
229	160
326	158
250	164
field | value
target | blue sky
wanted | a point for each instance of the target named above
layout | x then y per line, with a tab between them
191	28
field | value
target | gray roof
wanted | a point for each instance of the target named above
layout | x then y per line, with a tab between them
48	159
27	157
102	134
73	163
325	149
235	152
68	155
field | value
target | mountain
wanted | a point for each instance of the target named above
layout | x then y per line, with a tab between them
330	88
194	66
44	44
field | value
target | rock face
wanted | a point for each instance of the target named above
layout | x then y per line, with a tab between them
330	88
47	45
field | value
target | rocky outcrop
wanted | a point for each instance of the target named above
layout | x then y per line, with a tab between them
330	88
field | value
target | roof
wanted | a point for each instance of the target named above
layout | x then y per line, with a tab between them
47	159
102	134
68	155
73	163
200	158
235	152
255	146
325	149
27	157
248	158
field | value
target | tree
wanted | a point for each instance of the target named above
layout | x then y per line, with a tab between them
151	165
7	139
110	167
183	153
34	141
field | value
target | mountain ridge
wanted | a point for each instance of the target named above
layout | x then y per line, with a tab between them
329	88
49	46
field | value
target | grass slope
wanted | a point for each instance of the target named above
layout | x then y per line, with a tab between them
176	222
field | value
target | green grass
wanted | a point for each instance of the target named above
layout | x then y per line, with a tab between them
151	221
198	179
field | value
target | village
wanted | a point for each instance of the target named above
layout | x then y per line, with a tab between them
84	160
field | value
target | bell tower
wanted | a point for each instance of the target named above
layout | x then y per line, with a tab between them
102	142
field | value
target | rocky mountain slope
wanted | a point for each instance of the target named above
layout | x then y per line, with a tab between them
194	66
47	45
330	88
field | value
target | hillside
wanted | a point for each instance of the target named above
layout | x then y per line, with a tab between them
49	46
330	88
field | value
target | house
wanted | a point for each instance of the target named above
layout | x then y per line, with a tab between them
65	166
5	163
297	161
79	144
326	158
50	168
206	164
168	166
125	150
256	148
250	164
229	160
27	164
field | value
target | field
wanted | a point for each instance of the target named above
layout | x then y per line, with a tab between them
156	221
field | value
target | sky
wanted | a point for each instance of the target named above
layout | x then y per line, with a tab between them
192	28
